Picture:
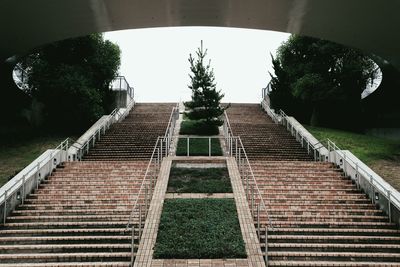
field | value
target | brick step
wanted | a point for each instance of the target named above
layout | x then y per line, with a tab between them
335	256
58	225
332	247
56	257
118	158
69	264
314	201
65	248
322	263
66	191
82	206
330	224
308	185
313	192
319	206
331	231
315	196
327	218
78	202
315	212
70	212
87	196
68	231
92	186
353	239
31	240
69	218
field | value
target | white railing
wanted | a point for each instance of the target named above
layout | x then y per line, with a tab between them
116	115
365	179
121	84
15	191
140	209
317	150
351	165
206	147
235	148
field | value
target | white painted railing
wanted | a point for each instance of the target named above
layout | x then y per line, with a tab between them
15	191
372	184
235	148
140	209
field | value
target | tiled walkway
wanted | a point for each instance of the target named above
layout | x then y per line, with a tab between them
145	252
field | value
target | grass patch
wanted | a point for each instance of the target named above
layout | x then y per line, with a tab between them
199	229
366	148
199	180
198	147
190	127
15	157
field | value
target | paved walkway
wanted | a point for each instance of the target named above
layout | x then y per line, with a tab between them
145	252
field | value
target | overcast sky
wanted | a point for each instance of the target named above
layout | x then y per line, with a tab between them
155	61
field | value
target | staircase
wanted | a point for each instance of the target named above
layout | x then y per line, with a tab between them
133	138
319	217
78	215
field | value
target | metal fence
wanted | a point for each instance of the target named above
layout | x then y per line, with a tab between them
258	208
16	190
140	208
121	84
364	179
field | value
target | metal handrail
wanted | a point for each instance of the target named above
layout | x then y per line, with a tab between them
313	147
63	146
162	143
372	180
112	118
229	141
123	85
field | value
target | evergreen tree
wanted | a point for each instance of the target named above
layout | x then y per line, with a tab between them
205	106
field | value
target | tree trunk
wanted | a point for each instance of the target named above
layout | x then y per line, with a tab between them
314	117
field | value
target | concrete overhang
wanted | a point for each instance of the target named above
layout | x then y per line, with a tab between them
370	25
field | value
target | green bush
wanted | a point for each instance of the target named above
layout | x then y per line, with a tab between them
199	229
198	147
199	180
190	127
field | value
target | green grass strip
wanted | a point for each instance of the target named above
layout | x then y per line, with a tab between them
366	148
198	147
189	127
199	229
199	180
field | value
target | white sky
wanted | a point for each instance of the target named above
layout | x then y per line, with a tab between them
155	61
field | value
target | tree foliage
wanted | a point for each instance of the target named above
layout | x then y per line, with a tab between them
313	77
205	105
71	78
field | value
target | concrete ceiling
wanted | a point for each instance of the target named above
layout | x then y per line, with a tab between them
370	25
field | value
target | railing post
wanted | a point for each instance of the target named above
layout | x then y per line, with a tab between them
252	200
37	175
266	245
5	206
209	146
389	206
23	189
187	144
258	221
133	245
140	221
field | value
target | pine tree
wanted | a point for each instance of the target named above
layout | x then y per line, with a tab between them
205	106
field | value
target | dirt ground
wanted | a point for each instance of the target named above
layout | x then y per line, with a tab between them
389	170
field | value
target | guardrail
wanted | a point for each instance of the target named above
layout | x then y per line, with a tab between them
205	147
363	178
366	180
140	209
121	84
16	190
316	150
235	148
115	116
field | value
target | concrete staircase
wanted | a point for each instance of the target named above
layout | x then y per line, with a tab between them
134	137
78	215
318	216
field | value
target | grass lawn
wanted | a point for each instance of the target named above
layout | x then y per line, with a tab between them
15	157
189	127
199	180
198	147
366	148
199	229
